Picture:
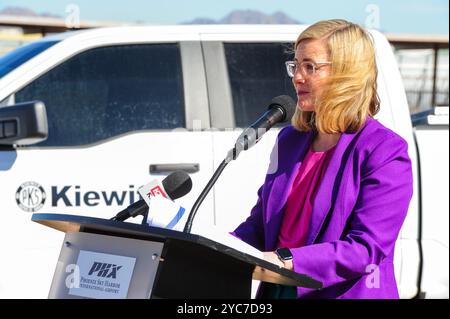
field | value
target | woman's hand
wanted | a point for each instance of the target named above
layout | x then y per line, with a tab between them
272	257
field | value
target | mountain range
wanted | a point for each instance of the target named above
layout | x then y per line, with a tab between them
248	17
25	12
234	17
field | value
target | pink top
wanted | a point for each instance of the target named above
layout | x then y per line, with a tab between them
297	215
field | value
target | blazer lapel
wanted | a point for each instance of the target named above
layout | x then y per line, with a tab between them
330	184
289	162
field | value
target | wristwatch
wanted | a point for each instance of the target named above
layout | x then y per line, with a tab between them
284	254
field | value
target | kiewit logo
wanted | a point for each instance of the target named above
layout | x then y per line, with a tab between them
30	196
104	270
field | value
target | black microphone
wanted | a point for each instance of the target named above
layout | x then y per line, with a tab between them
281	109
175	185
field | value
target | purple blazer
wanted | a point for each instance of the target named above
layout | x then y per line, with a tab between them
357	213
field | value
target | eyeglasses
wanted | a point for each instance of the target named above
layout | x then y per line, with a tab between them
307	68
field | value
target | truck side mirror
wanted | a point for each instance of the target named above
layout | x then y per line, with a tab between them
23	124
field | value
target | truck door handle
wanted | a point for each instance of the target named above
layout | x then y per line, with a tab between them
169	168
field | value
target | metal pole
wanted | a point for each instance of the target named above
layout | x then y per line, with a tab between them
435	62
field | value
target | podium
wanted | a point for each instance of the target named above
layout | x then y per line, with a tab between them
102	258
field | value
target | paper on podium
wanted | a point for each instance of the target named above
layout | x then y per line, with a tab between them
225	238
259	273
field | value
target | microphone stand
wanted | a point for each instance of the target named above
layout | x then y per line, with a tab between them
232	155
198	202
282	108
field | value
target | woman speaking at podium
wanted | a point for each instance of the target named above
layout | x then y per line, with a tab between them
339	183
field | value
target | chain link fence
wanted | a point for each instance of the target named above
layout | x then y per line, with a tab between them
418	73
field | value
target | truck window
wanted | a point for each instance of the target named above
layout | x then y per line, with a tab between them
257	74
109	91
17	57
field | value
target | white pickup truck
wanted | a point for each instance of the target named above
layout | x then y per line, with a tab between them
128	104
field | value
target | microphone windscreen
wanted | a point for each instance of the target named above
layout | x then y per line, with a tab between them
286	103
177	184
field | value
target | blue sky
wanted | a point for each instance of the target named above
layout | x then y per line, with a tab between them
396	16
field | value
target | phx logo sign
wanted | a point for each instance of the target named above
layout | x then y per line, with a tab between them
104	270
30	196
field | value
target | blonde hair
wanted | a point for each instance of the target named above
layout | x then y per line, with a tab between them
351	94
